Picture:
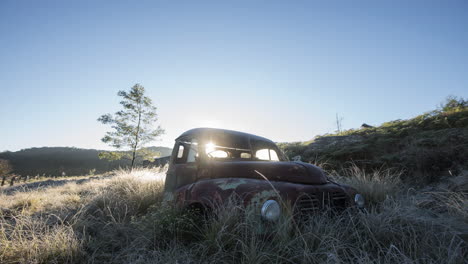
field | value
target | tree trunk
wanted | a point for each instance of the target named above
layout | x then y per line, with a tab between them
133	158
3	180
12	180
136	138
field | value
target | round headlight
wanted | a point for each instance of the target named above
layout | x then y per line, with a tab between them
271	210
359	200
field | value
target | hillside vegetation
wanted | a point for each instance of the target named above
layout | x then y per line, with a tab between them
72	161
424	147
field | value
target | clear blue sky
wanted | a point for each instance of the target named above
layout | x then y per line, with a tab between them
280	69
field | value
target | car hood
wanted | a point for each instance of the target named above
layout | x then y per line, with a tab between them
294	172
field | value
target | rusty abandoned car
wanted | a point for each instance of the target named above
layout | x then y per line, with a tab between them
210	165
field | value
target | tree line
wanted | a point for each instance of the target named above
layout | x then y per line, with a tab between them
56	161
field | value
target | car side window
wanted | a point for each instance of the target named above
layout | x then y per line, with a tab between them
181	156
187	152
266	154
180	152
192	153
273	155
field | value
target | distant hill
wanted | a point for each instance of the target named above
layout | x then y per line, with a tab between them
426	146
162	150
72	161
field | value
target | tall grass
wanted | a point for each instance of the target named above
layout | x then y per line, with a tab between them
26	239
376	186
123	220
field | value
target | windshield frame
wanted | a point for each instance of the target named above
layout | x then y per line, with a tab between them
251	150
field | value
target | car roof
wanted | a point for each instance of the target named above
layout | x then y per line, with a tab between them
205	132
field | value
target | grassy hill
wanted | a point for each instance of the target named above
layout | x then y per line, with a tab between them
429	145
72	161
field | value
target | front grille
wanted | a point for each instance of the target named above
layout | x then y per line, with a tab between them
338	200
308	203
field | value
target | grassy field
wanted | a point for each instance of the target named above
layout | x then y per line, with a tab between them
121	219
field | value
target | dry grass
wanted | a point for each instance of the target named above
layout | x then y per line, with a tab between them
122	220
376	186
26	239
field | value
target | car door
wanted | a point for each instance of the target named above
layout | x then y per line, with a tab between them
185	167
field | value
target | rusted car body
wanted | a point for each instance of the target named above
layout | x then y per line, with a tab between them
208	166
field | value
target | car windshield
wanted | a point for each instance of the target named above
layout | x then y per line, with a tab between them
257	150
